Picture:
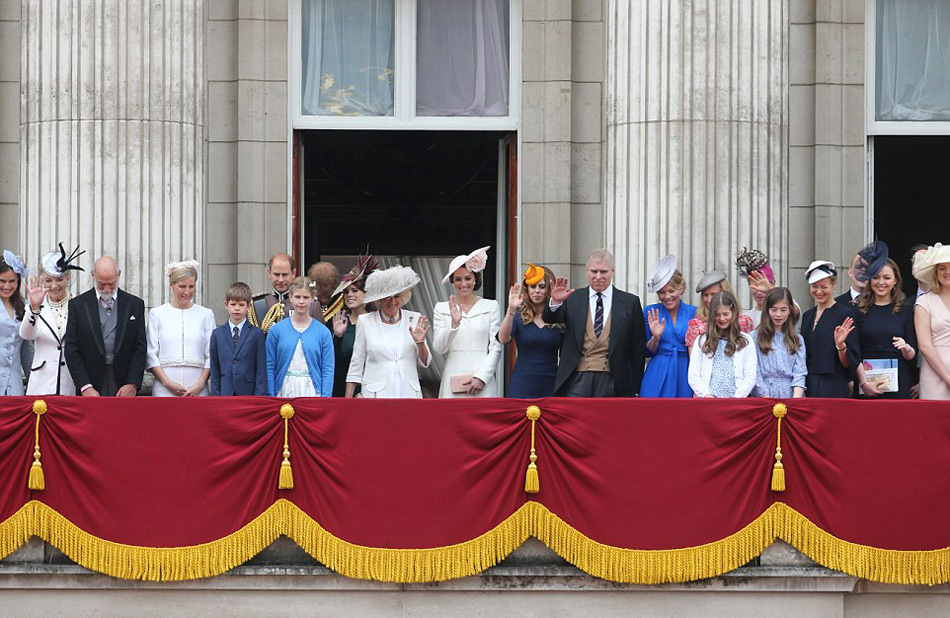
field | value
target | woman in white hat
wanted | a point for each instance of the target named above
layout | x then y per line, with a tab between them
390	343
465	329
45	326
666	322
832	350
932	322
179	337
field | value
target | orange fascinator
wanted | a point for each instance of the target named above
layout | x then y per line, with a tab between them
533	274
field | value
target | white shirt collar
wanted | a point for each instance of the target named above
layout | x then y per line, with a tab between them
854	293
240	325
608	293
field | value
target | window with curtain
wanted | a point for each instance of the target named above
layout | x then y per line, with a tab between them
462	59
348	57
913	60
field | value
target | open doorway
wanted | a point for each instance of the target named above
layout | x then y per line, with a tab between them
911	195
417	198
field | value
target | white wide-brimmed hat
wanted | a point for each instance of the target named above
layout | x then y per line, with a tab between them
391	281
474	262
926	265
662	273
820	269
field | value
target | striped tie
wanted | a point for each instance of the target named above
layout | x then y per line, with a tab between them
235	336
599	315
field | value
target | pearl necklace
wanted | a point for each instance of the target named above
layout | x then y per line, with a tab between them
389	320
61	311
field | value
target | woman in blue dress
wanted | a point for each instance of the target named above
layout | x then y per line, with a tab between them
537	342
16	355
666	324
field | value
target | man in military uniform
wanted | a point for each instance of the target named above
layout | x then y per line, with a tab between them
268	308
325	278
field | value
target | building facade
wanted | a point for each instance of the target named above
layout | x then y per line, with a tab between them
165	130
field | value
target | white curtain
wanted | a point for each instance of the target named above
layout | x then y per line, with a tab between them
348	57
424	297
462	58
913	60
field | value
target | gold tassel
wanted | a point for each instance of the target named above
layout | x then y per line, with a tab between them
286	478
37	480
778	470
532	484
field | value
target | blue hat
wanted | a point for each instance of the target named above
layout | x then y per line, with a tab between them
871	259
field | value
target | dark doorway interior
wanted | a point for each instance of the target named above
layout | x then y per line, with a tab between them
911	195
412	193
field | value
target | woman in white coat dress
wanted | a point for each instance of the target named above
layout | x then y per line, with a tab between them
179	338
390	343
45	324
464	332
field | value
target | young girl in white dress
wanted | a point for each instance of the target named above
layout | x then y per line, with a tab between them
722	362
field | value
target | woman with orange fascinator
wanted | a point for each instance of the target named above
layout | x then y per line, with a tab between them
537	341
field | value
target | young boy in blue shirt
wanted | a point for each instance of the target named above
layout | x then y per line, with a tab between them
238	355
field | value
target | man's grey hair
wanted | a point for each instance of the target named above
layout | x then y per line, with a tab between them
601	255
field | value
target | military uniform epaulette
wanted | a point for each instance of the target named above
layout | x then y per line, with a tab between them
260	296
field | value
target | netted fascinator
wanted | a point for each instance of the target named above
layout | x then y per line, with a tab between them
871	259
751	260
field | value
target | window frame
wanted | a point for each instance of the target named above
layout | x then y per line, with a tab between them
404	86
873	126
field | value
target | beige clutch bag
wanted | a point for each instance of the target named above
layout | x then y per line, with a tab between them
460	383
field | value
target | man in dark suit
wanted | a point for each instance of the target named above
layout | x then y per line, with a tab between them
604	346
238	353
850	297
105	341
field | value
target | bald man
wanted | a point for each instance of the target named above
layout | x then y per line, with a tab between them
105	343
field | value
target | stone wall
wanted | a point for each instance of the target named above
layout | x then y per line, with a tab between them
826	150
38	581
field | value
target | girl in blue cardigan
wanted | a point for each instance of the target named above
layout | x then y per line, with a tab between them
300	350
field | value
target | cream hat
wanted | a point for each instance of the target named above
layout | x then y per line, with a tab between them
820	269
382	284
474	262
925	266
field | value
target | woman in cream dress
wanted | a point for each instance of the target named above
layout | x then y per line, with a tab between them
179	338
465	330
932	322
390	343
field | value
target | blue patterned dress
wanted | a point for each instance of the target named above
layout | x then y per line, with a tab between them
778	371
666	373
722	380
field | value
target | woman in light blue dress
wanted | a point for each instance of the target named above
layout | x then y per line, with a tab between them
781	350
666	324
16	355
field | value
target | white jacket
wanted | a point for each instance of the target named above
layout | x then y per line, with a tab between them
471	348
48	361
745	362
386	369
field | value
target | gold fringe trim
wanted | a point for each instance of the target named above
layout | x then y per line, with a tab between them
474	556
888	566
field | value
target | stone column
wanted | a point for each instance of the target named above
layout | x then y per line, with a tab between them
696	134
112	133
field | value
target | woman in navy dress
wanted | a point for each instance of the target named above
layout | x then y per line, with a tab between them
886	331
666	323
537	342
832	351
